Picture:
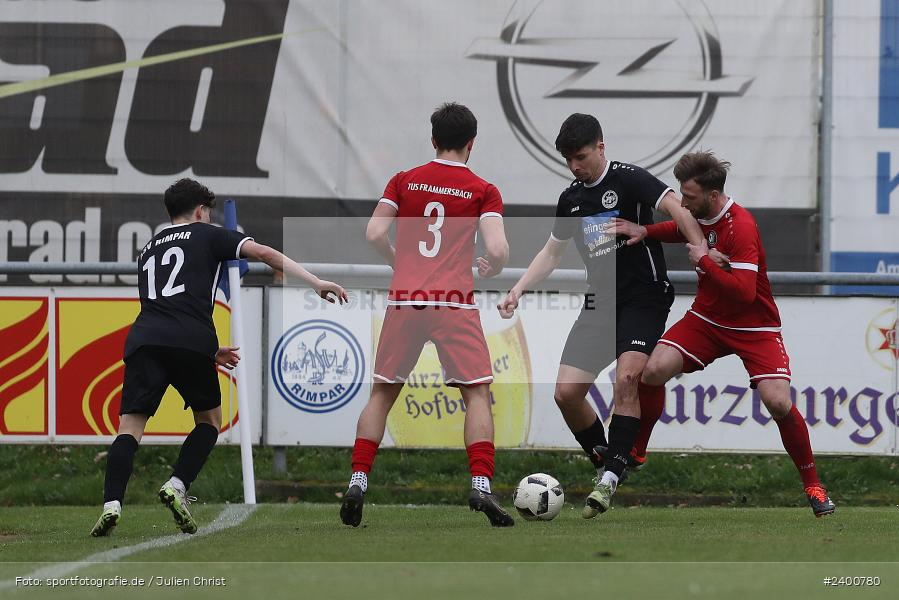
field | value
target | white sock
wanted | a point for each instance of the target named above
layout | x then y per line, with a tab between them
479	482
112	504
179	485
610	479
359	478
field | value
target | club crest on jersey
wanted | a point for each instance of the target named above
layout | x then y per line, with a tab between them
610	199
317	366
713	239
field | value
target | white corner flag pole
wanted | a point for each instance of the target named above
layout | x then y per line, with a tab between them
245	420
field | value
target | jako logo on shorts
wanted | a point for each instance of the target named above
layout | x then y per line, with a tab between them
318	366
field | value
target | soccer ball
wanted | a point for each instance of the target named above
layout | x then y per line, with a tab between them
538	497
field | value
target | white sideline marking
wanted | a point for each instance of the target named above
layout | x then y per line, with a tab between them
231	516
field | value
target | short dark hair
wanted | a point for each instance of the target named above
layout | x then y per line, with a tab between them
705	168
577	131
453	125
185	195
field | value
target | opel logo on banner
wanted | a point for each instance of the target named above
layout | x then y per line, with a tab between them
644	69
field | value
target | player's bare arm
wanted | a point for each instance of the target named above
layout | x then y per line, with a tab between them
377	233
686	224
545	262
688	227
278	261
497	247
227	356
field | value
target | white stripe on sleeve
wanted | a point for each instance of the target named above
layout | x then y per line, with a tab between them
746	266
240	245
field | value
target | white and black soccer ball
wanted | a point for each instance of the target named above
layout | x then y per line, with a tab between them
539	497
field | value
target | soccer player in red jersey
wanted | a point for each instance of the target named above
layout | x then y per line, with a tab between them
734	311
438	208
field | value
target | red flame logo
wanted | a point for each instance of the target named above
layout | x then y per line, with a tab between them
89	387
18	374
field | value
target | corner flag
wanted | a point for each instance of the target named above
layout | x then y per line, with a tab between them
236	268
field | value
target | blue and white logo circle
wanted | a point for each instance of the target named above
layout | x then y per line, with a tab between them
318	366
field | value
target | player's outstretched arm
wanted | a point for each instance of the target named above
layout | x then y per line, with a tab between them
682	228
377	233
279	262
635	233
686	224
493	233
545	262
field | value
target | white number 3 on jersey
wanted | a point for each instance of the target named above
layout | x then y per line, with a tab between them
434	229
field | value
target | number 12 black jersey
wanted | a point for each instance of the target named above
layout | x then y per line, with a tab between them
178	272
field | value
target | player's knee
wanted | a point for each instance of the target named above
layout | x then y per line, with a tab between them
383	395
210	417
653	373
776	397
565	397
627	378
132	425
779	407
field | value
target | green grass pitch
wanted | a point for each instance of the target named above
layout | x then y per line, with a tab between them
435	552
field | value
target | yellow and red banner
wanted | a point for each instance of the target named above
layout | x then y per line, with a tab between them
61	369
90	341
24	343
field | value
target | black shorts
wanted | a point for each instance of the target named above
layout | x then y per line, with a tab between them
150	370
600	335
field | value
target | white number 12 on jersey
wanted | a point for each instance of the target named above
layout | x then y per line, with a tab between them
434	229
170	288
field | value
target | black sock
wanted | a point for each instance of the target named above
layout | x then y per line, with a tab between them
119	464
622	435
595	435
194	452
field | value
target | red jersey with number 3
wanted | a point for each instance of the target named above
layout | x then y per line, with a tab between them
439	206
734	232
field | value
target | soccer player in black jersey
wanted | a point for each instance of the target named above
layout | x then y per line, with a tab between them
173	342
627	301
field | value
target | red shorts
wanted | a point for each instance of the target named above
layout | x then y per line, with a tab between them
762	352
456	333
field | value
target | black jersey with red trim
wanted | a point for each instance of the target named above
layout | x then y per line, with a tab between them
627	192
177	275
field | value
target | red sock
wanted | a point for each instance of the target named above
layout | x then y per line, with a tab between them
794	433
480	459
364	452
652	403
